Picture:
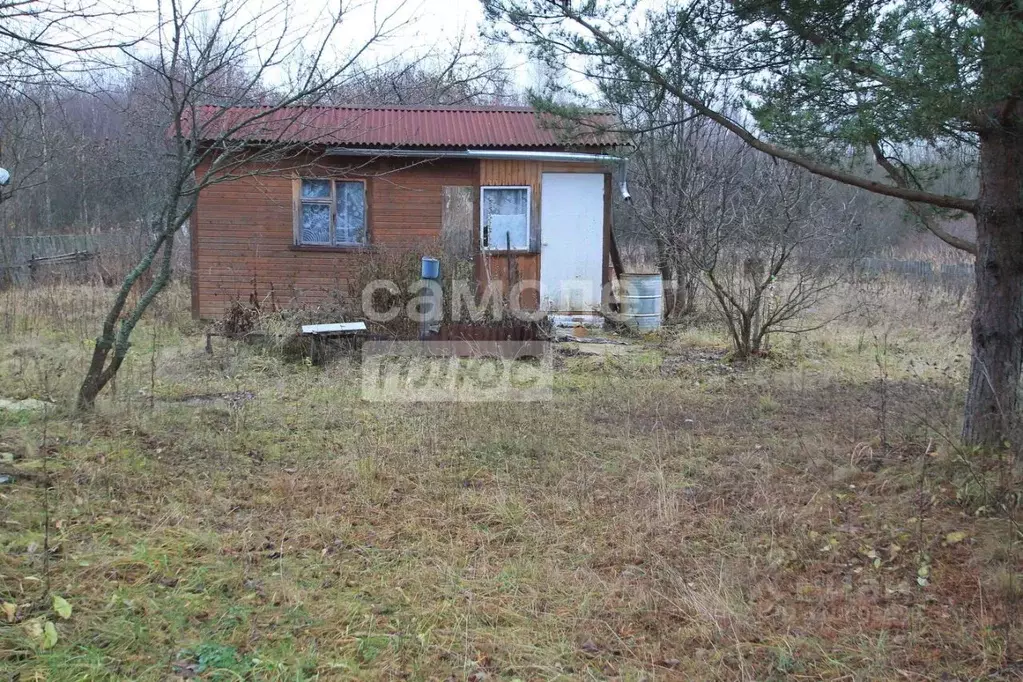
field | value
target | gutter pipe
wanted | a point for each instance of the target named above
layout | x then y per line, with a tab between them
497	154
570	157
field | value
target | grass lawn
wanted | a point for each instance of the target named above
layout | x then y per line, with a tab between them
665	516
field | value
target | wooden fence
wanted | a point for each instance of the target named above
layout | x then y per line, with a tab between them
26	258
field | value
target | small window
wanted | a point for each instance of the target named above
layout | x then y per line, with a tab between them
332	213
504	220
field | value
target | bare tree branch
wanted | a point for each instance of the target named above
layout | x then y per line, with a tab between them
901	178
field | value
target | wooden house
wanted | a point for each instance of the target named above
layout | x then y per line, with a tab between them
525	197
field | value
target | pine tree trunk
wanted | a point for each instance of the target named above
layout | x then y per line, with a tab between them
992	402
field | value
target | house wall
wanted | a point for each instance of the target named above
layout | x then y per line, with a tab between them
243	232
243	243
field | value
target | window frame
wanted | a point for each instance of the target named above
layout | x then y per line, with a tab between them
529	219
330	202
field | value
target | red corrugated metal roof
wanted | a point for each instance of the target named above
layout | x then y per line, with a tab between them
487	127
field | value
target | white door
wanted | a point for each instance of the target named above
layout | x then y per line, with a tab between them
571	241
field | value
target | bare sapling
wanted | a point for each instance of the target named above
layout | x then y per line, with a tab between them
228	58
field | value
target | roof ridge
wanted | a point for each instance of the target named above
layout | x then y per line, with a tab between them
478	108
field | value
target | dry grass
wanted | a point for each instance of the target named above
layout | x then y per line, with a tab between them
665	516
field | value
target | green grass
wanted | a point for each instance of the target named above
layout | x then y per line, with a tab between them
665	516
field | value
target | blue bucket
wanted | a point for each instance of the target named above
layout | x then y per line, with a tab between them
431	268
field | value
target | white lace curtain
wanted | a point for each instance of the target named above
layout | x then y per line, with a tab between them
506	218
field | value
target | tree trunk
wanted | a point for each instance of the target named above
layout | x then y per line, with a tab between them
667	275
992	401
688	285
100	373
90	387
96	378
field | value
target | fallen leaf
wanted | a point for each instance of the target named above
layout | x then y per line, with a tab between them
955	537
61	606
49	635
10	610
34	629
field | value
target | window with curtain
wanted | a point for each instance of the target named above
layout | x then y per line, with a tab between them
505	218
333	213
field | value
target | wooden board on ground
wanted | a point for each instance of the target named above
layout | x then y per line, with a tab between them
334	328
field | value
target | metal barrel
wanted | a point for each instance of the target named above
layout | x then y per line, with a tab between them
642	300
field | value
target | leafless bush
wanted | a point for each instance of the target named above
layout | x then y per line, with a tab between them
402	268
764	247
685	172
664	177
763	240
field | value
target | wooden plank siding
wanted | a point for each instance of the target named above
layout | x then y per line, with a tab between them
243	235
492	268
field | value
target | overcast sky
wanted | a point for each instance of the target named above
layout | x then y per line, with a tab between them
418	27
433	23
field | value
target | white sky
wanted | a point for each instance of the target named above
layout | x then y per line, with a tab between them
419	26
434	23
431	20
